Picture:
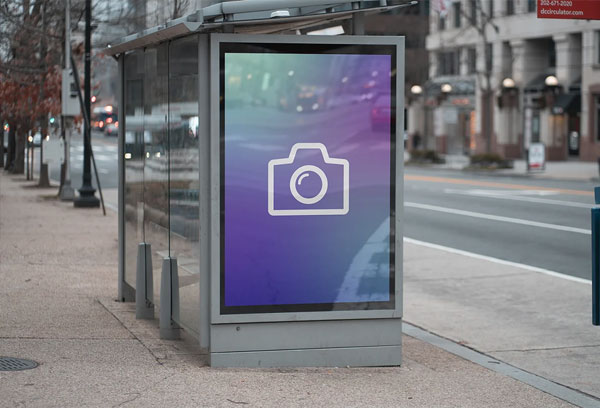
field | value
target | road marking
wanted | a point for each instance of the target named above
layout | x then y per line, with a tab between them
519	196
497	218
480	183
498	261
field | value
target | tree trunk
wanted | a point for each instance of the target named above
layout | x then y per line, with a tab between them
1	144
10	155
44	180
19	163
63	167
487	118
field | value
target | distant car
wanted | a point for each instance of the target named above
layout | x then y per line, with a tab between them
37	140
111	130
381	113
311	98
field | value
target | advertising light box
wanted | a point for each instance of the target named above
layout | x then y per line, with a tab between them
308	174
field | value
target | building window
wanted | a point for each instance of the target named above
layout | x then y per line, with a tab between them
473	15
597	56
448	63
491	9
489	57
442	23
531	6
552	55
510	7
472	60
597	114
457	14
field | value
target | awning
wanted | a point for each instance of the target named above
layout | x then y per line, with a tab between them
538	84
567	103
253	17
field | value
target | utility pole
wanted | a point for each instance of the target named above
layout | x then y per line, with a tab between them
44	180
87	197
66	191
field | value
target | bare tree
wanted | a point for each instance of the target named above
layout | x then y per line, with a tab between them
482	22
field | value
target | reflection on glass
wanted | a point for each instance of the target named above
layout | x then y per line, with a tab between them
134	163
184	174
156	171
308	180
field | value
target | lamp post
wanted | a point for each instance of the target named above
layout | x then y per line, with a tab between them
87	192
417	92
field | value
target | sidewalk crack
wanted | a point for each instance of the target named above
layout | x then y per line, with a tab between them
131	333
138	394
544	348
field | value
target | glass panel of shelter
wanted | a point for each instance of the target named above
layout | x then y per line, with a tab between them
156	171
162	166
134	163
184	175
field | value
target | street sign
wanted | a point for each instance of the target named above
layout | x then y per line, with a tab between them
54	151
569	9
536	156
70	101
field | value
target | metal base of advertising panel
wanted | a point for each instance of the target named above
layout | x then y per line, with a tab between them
306	274
338	343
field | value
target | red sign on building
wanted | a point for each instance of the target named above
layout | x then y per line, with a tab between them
569	9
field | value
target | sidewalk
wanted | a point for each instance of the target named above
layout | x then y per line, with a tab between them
58	267
560	170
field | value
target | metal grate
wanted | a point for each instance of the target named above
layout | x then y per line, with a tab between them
16	364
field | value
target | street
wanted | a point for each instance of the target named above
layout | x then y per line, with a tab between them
105	152
537	222
541	223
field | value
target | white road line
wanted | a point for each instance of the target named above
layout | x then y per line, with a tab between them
498	261
479	193
497	218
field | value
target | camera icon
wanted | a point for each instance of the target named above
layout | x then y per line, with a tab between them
282	201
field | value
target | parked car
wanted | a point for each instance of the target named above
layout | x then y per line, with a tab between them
36	140
111	129
381	113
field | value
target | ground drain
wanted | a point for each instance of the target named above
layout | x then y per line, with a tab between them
16	364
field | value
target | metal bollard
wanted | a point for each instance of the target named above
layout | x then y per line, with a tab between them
144	306
596	260
169	300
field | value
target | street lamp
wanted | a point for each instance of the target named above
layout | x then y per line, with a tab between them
446	88
508	83
551	81
87	192
416	90
508	94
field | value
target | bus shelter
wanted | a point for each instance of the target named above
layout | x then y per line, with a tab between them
260	189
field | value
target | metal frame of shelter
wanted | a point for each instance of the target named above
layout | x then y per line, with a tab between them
328	338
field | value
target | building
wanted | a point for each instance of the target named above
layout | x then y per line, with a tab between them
501	79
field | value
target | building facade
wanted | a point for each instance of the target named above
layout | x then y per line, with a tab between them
501	79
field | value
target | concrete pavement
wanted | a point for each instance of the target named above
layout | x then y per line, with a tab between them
560	170
58	266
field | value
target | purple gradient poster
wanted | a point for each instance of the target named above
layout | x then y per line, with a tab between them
307	173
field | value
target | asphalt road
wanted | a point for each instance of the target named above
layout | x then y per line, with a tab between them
542	223
105	152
